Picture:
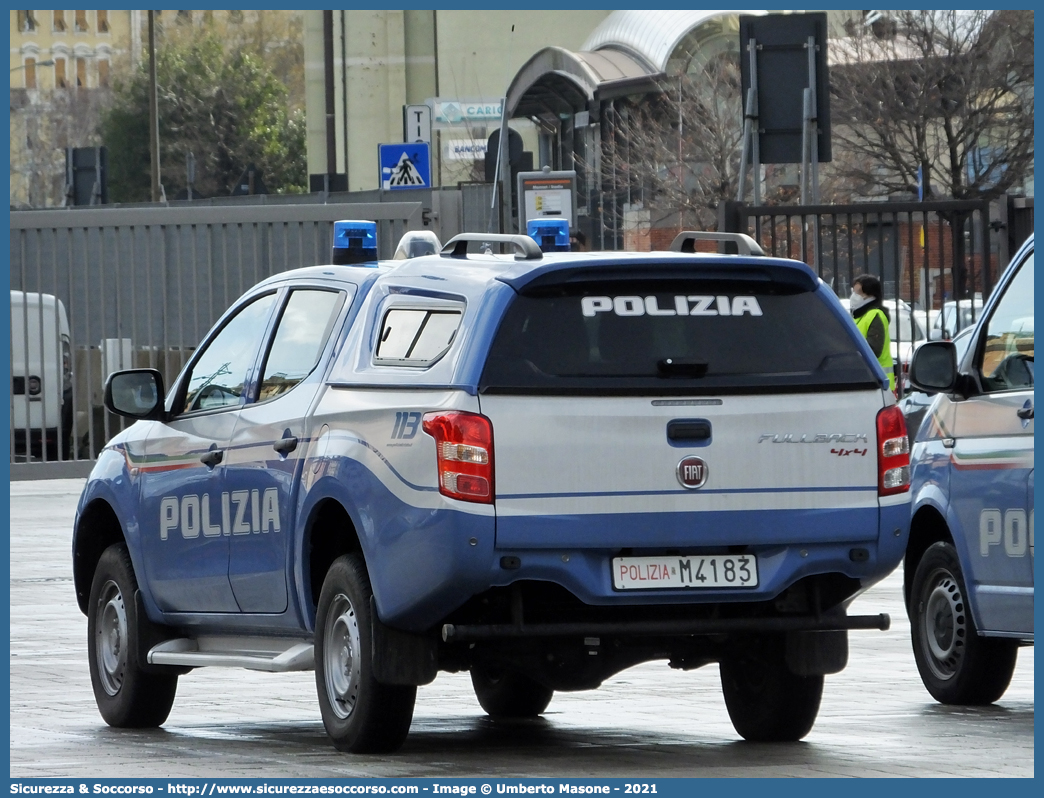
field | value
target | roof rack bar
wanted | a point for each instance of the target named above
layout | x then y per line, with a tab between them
684	242
526	248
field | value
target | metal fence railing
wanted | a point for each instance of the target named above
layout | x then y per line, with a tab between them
94	290
934	259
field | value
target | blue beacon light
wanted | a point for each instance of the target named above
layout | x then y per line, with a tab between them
354	242
552	235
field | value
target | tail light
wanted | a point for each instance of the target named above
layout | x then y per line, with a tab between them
893	452
35	386
464	449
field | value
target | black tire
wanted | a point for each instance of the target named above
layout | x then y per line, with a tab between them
361	715
956	664
508	694
127	696
765	700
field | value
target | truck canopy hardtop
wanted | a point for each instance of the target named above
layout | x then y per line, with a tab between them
542	300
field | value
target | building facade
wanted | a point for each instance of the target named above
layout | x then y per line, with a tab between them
362	67
62	65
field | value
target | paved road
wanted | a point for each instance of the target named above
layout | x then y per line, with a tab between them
876	719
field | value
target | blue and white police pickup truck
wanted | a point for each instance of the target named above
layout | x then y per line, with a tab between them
539	468
969	565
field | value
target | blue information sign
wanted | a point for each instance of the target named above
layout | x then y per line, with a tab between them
405	165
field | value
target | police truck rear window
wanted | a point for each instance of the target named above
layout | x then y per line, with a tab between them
679	336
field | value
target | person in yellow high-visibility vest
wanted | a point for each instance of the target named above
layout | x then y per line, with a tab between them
871	318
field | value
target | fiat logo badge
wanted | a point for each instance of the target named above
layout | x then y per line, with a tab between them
692	472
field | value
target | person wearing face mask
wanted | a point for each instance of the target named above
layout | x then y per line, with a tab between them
871	318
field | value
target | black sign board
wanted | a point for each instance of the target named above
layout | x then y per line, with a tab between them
249	182
337	182
86	170
782	77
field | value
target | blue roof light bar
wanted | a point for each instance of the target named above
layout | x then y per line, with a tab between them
354	242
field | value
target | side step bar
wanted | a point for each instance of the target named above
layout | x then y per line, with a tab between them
809	623
274	655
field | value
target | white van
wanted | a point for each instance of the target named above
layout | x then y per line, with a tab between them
41	376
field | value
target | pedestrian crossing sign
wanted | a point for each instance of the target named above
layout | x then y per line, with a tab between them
405	165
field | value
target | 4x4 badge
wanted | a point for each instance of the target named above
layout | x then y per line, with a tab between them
692	472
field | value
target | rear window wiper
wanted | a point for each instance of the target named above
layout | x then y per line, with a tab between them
681	367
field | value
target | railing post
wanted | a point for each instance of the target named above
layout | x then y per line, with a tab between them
1003	228
730	220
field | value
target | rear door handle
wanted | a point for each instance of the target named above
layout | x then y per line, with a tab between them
285	445
1024	412
689	431
212	458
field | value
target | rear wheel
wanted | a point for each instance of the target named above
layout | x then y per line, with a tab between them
765	700
508	694
957	666
360	714
126	695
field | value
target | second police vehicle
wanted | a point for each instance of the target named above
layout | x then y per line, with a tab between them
969	566
539	468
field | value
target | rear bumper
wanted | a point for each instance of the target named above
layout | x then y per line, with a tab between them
789	545
588	574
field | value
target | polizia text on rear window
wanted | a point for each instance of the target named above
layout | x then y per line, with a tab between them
673	336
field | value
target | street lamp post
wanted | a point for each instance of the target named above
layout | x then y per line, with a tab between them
49	62
38	63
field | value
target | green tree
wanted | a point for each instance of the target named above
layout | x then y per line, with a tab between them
224	106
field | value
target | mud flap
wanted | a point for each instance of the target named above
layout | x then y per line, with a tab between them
151	634
401	658
817	653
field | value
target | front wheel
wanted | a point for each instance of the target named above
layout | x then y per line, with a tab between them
765	700
360	714
127	697
507	694
957	666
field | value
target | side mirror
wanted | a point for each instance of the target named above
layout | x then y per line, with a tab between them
933	368
136	393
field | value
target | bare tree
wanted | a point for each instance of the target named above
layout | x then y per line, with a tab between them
674	156
676	153
948	94
41	128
